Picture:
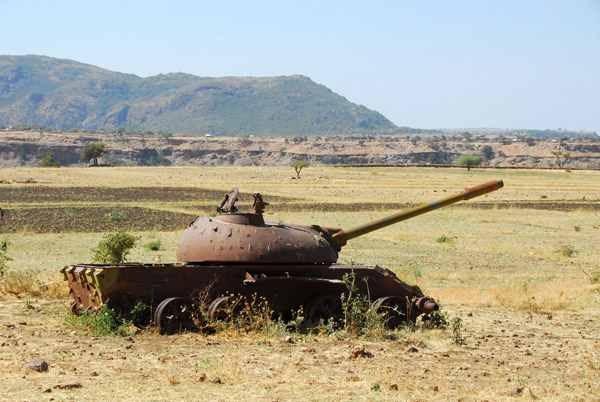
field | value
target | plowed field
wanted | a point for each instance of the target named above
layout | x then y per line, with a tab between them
98	219
65	212
40	194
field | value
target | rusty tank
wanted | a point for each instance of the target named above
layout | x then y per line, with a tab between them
239	254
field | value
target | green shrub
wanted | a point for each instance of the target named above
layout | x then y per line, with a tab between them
47	160
113	248
4	258
435	320
456	331
104	322
153	245
116	215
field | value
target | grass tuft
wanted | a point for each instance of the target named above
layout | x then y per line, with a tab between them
445	239
567	250
153	245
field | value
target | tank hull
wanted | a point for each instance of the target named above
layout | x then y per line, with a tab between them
287	288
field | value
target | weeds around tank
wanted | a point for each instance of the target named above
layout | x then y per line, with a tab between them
109	322
361	315
360	318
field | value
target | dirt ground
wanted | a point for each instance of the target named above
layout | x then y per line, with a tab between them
507	356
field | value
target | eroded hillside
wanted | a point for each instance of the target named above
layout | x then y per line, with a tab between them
25	149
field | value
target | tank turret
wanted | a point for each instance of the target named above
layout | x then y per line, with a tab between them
235	237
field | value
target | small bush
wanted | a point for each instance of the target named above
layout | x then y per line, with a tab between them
567	250
456	331
577	228
116	215
4	258
543	197
435	320
113	248
153	245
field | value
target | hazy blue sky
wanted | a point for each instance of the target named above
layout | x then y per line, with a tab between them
426	64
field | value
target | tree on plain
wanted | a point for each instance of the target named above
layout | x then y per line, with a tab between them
561	158
298	166
93	151
468	161
47	160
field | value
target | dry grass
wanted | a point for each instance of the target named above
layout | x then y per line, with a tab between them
530	314
322	183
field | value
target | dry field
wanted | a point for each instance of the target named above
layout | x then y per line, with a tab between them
530	314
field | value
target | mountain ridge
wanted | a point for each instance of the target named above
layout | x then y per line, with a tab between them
69	95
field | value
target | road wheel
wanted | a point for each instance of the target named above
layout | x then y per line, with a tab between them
326	307
174	315
393	309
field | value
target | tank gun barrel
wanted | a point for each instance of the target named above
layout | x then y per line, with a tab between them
344	235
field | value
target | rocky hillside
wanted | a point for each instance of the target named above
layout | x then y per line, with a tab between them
25	149
37	90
